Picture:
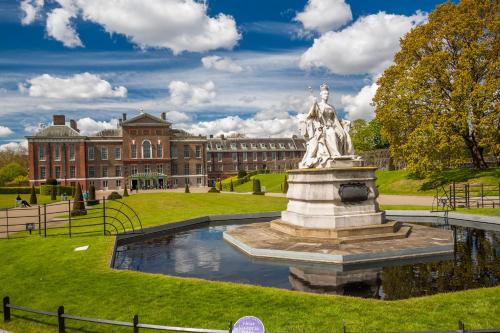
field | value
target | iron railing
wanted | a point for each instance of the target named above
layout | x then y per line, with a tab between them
466	196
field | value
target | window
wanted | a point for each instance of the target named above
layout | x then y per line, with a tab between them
105	171
91	172
254	146
159	150
41	153
57	152
173	168
186	151
186	181
146	149
104	153
90	153
244	145
209	168
233	146
290	144
235	157
282	146
72	171
199	170
147	168
219	157
273	155
134	170
186	169
264	156
42	173
118	183
198	181
58	172
105	184
174	151
235	167
245	156
175	182
255	156
198	152
263	145
118	171
209	157
272	145
218	146
118	153
133	150
71	152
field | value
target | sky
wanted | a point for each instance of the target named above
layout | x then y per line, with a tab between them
215	66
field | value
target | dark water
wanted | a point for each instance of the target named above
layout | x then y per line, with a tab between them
203	253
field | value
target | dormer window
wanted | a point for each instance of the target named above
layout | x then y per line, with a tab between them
218	146
272	145
282	146
291	145
254	146
233	146
244	146
263	146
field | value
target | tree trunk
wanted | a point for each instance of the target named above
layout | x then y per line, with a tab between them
476	152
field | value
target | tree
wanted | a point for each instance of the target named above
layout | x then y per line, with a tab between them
78	203
241	173
125	192
53	192
366	136
10	171
33	199
438	103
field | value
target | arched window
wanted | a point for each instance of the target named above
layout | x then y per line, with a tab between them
146	149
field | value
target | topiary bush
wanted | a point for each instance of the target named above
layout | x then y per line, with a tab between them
114	196
78	204
242	173
186	189
285	184
219	185
53	193
92	201
256	187
33	199
213	190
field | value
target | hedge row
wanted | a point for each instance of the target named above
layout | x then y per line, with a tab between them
18	190
247	178
45	189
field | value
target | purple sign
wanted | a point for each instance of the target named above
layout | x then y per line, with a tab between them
248	324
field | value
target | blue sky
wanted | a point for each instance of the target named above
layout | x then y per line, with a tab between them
222	66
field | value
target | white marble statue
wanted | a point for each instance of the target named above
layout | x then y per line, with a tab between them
327	136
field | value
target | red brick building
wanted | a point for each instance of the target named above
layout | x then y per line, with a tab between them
146	152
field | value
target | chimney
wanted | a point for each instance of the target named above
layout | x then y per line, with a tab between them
164	116
72	124
120	121
124	116
59	119
222	136
211	136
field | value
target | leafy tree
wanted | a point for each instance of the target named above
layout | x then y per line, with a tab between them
366	136
33	199
439	100
10	171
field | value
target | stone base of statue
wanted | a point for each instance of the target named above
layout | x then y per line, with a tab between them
333	216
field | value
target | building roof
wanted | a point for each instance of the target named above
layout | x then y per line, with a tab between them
57	131
145	119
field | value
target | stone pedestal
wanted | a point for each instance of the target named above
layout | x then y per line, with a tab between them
340	197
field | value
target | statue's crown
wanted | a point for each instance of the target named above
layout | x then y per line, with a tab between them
324	86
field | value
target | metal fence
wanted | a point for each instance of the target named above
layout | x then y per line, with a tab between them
135	325
108	217
467	196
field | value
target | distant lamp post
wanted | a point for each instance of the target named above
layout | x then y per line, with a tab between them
30	227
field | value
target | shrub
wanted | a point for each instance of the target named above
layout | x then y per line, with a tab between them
78	204
186	189
53	193
256	187
219	185
213	190
18	190
33	199
19	181
114	196
92	201
125	192
64	189
241	173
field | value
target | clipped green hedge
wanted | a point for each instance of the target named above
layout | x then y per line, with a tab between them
227	185
45	189
18	190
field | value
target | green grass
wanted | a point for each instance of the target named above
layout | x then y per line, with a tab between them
272	182
45	273
8	200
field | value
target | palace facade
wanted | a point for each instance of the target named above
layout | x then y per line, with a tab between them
146	152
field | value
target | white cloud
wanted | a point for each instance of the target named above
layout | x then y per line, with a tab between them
179	25
359	105
221	64
177	117
89	126
184	93
324	15
31	9
366	46
15	146
59	24
5	131
84	85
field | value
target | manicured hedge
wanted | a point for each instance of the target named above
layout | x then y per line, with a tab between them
45	189
18	190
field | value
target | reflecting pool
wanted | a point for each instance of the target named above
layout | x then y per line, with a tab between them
201	252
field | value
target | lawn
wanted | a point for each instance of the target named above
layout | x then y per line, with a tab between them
8	200
396	182
45	273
